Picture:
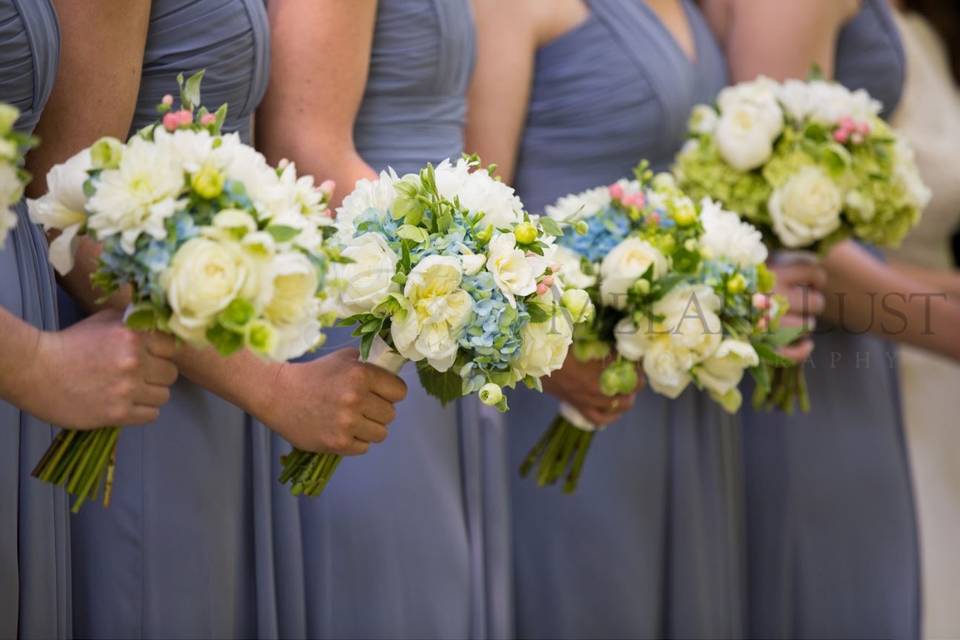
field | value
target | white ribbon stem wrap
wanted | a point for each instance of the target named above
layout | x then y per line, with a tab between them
576	418
384	357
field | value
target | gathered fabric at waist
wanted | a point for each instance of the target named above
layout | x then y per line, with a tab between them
406	132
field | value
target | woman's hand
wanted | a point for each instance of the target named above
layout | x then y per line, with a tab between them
578	383
98	373
801	284
335	404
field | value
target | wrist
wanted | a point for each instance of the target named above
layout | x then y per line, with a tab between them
29	368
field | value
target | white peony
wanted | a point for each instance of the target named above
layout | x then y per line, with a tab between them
722	371
544	347
203	278
571	268
761	94
362	284
806	208
138	196
368	194
741	138
667	369
478	191
435	311
575	207
632	340
727	237
62	208
514	272
623	266
826	102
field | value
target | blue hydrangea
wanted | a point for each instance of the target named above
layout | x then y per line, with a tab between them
605	231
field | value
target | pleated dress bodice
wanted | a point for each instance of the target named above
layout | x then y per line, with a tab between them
649	544
184	550
410	540
34	521
821	485
616	89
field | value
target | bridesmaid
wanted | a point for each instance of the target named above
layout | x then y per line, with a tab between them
831	527
50	377
411	540
570	95
186	548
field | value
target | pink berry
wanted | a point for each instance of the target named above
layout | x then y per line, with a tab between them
171	121
542	288
760	301
548	280
616	191
184	117
167	100
208	119
763	323
846	122
863	128
841	136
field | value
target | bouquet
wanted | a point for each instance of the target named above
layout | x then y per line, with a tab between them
445	269
12	177
218	248
808	162
678	287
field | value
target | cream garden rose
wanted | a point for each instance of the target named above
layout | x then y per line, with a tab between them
290	304
203	278
367	280
571	268
435	310
622	267
544	346
722	372
514	272
806	208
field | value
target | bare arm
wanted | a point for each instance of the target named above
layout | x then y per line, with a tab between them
778	39
940	280
507	41
320	60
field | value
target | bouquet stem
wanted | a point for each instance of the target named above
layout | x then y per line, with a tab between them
308	473
787	389
562	449
80	461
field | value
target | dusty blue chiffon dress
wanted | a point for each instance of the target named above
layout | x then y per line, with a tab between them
831	523
410	540
649	545
34	518
184	551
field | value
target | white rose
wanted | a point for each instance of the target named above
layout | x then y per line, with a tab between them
513	271
138	196
761	94
203	278
62	208
544	347
478	191
376	194
742	139
690	321
571	268
905	172
435	311
632	340
723	370
806	208
365	282
472	263
727	237
623	266
827	102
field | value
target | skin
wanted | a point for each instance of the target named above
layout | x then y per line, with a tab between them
509	32
97	372
781	40
295	400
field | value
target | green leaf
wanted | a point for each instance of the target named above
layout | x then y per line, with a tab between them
446	386
412	233
282	233
537	312
190	90
143	318
224	340
550	226
770	356
221	117
783	336
365	343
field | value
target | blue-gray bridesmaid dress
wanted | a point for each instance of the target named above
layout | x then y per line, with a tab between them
34	519
831	523
410	540
185	548
649	545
